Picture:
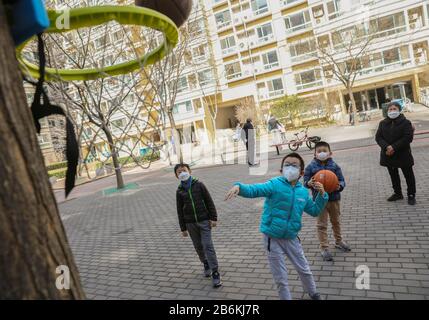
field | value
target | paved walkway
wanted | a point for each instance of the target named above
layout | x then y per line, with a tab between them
128	246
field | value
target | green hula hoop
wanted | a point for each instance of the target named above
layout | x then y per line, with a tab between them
92	16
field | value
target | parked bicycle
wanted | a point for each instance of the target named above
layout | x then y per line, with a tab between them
299	141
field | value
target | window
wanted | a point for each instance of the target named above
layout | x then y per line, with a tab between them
227	42
391	56
297	21
119	124
301	48
265	32
182	107
259	6
385	26
205	77
308	79
223	18
270	59
233	70
199	51
182	84
276	84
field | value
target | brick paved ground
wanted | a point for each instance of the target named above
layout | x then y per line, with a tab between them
128	246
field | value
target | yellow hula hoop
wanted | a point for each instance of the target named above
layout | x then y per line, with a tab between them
92	16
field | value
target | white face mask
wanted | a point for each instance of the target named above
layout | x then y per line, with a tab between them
393	114
322	156
184	176
291	173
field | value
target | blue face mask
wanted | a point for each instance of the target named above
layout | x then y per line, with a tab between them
291	173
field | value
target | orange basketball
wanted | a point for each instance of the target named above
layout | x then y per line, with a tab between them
328	179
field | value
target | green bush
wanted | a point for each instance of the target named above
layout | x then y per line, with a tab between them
59	173
56	165
129	160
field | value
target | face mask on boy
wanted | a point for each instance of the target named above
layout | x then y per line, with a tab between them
393	114
291	173
184	176
322	156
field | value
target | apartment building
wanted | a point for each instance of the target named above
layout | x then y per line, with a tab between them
266	49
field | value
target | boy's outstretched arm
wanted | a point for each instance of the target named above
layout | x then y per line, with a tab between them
251	190
315	208
179	204
209	203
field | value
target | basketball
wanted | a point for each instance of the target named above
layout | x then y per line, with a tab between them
176	10
328	179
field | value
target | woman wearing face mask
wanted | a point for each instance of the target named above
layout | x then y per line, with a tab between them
394	136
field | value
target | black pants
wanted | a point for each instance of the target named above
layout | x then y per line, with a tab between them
396	180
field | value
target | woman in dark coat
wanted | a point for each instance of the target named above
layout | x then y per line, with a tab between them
394	136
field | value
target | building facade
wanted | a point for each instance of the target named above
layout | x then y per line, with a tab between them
267	49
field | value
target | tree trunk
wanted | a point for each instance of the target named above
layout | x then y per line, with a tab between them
117	167
33	242
352	99
177	144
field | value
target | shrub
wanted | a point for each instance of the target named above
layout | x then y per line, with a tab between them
56	165
59	173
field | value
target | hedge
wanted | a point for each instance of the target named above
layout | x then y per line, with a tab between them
59	173
129	160
56	165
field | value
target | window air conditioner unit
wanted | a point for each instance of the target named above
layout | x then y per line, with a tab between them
252	43
245	18
242	45
420	50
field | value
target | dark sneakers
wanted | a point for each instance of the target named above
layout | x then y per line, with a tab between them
411	200
395	197
207	271
315	296
216	279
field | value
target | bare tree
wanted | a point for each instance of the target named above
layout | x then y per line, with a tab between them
109	110
165	76
343	59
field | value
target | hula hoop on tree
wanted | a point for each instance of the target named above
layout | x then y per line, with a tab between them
92	16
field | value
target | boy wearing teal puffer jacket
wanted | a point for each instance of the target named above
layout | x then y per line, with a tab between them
285	201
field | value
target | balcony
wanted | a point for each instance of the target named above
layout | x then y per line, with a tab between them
234	75
223	25
303	57
386	67
229	50
299	29
309	85
271	66
200	59
267	95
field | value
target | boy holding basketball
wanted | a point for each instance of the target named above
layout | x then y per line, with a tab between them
285	201
323	161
